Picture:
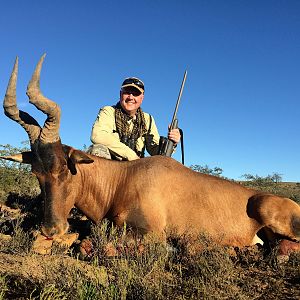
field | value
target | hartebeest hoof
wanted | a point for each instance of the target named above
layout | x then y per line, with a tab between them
110	250
286	247
86	248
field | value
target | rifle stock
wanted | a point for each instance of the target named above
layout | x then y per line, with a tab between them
169	147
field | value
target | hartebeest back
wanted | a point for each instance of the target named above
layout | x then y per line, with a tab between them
150	194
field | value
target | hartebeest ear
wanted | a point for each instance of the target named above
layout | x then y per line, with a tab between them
26	157
77	157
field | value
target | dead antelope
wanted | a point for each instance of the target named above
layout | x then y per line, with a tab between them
153	194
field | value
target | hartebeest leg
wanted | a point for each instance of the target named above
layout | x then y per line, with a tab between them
280	215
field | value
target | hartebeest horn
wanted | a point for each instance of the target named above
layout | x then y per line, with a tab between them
50	131
24	157
11	110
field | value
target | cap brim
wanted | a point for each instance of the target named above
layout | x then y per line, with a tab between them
133	85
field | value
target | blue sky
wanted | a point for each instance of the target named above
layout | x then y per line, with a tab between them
240	109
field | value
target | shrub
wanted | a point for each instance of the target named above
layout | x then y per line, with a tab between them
216	171
20	242
3	287
16	177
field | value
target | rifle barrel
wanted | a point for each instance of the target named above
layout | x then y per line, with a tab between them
179	97
169	145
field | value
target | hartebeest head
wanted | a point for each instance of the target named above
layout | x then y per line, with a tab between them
52	162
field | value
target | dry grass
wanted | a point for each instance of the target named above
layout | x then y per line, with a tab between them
216	272
158	272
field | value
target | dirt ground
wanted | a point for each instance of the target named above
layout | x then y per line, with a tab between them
254	274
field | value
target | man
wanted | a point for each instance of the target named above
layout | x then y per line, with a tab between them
124	131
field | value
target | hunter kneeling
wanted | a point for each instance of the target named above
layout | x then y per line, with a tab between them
123	131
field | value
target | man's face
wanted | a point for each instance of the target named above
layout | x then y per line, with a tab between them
131	99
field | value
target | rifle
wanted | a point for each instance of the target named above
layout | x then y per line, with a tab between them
166	146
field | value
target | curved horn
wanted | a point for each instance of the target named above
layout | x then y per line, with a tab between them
23	157
50	130
11	110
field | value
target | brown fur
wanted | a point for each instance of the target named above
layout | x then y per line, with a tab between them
161	195
154	194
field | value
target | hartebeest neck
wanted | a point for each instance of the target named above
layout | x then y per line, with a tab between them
97	185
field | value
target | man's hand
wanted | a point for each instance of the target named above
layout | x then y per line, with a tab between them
174	135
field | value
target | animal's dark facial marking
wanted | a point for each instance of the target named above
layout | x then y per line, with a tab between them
52	157
55	194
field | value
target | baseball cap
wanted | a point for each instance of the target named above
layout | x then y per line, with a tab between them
134	82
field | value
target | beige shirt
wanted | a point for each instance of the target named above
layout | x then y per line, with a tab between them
105	132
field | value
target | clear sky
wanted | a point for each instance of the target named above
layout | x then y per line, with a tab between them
240	109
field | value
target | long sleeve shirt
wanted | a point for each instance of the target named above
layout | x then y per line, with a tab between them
104	132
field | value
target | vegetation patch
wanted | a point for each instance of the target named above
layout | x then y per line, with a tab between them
114	263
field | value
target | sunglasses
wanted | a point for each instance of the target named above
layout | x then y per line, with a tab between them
131	90
135	81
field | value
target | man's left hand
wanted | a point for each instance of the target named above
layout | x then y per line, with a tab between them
174	135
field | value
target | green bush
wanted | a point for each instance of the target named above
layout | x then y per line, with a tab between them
15	177
216	171
20	241
273	184
3	287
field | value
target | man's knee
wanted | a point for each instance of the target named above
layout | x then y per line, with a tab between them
99	150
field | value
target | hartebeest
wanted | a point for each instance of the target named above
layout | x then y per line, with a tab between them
153	194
